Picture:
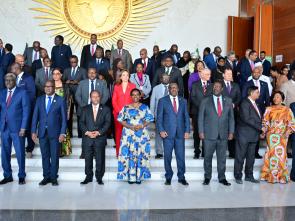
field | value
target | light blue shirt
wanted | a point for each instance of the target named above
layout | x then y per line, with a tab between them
215	102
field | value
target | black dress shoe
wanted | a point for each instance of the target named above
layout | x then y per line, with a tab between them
159	156
231	156
138	182
183	182
206	182
44	182
292	179
86	181
6	180
54	183
168	182
257	156
82	156
224	182
196	156
289	155
131	182
100	182
21	181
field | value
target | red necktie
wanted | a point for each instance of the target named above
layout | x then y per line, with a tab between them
174	105
144	66
8	101
219	110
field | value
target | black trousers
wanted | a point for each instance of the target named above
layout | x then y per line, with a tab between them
244	150
196	135
94	148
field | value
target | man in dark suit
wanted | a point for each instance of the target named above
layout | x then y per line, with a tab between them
174	126
249	127
95	122
60	53
148	65
246	66
26	82
211	59
156	58
231	63
42	75
101	64
2	50
7	60
172	71
265	63
123	54
88	51
32	54
173	52
200	90
216	126
15	110
51	120
39	63
72	77
233	91
263	101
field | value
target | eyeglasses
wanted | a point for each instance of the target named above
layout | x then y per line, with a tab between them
48	86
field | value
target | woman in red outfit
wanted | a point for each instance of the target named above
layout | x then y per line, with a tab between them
121	97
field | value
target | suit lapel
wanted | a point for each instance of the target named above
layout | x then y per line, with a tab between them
52	103
213	105
13	96
252	106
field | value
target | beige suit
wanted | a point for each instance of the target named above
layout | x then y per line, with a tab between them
288	88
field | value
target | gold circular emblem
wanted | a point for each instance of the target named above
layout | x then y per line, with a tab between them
111	20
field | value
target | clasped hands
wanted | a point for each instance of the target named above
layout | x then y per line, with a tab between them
92	134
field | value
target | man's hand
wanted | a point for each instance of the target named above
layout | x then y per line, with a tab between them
163	134
61	138
230	136
201	136
34	137
95	134
68	81
22	132
186	135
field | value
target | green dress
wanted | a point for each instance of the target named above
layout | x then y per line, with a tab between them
66	146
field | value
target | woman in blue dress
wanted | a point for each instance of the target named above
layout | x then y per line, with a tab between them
135	148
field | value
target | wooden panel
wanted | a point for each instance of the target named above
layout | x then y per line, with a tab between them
240	34
284	30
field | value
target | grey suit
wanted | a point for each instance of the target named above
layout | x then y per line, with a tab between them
145	88
216	131
28	54
80	75
82	93
40	80
126	57
157	94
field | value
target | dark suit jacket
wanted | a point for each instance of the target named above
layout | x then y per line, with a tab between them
175	124
197	95
235	70
266	67
37	64
60	56
101	68
55	120
86	56
80	75
16	116
157	61
7	60
28	84
235	93
245	70
210	124
210	62
264	99
169	53
102	123
175	77
149	69
249	123
2	53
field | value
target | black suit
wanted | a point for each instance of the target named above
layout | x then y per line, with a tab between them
234	68
235	94
149	68
247	135
37	64
86	56
175	77
95	146
196	97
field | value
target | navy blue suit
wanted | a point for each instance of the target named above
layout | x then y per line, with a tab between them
266	67
50	127
7	60
60	56
292	174
149	69
2	53
175	125
210	62
245	70
27	83
264	99
178	56
14	118
101	67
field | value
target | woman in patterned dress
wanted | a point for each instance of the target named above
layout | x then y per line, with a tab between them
278	123
60	90
134	154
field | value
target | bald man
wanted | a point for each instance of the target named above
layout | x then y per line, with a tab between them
20	59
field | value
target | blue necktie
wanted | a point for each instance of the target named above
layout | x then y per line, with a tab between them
92	85
48	105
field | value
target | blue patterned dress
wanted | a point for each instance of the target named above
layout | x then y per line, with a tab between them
135	148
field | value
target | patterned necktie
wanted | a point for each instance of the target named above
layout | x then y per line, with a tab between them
94	113
166	90
46	74
204	87
174	105
48	105
228	87
92	85
8	101
219	109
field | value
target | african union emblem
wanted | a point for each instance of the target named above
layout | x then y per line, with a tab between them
111	20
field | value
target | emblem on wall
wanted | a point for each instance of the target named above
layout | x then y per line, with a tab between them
111	20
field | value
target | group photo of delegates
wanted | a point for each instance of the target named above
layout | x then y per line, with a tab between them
232	107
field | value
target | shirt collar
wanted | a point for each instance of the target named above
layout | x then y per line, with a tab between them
171	97
217	97
20	75
12	90
52	96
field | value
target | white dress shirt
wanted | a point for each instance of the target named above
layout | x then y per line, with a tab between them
177	101
94	47
255	106
12	91
19	77
33	55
